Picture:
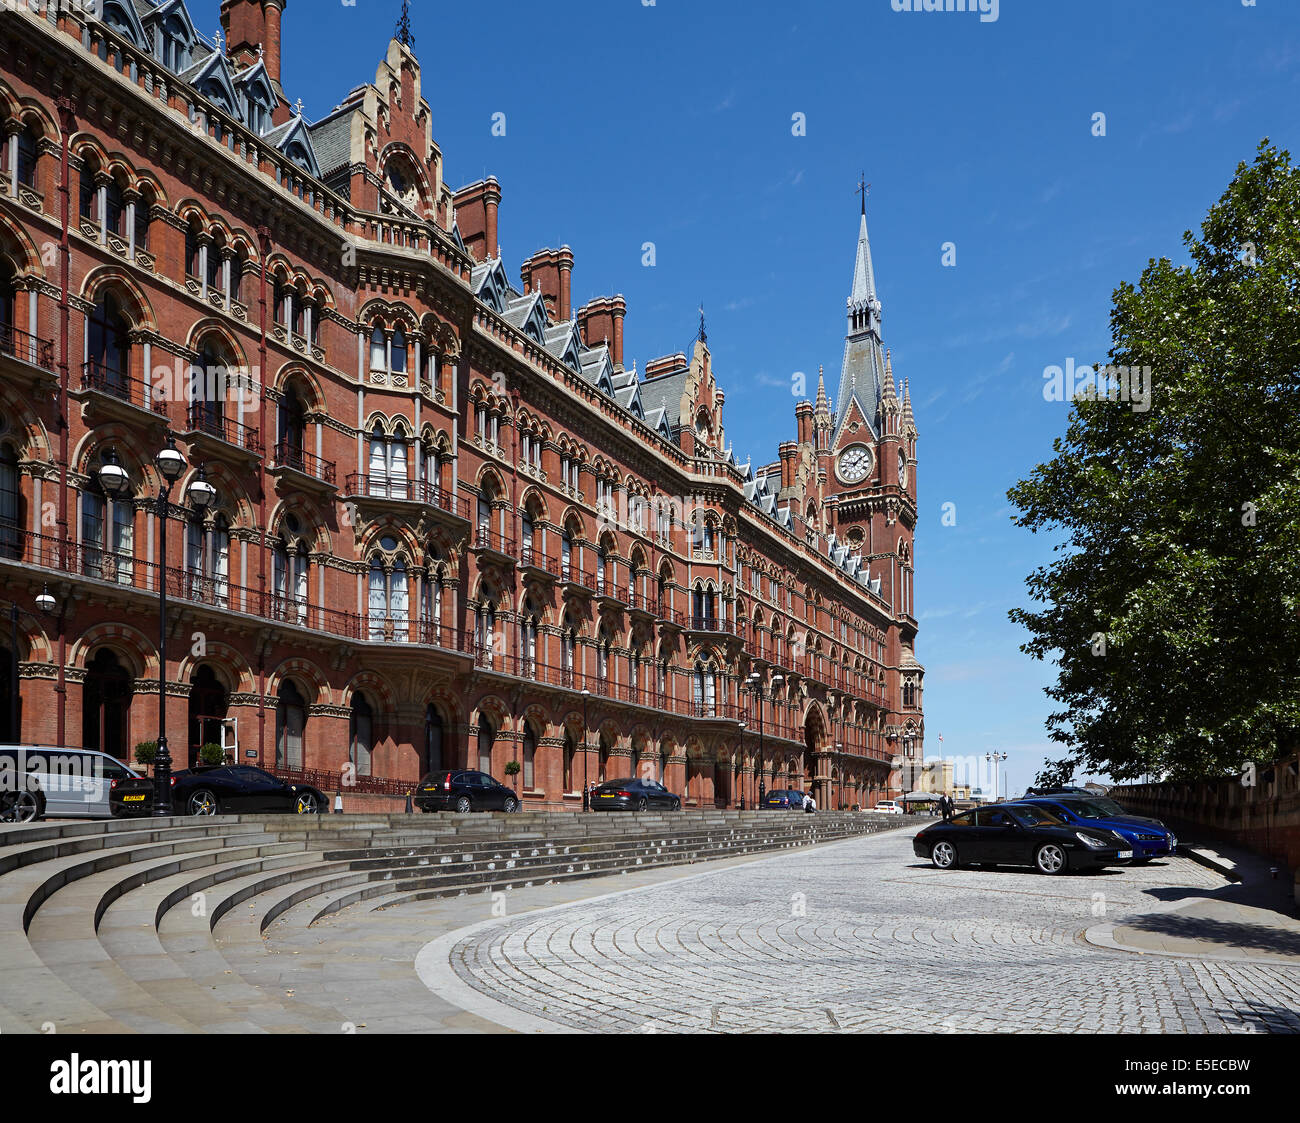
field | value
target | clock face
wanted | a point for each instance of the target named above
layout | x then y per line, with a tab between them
902	467
854	464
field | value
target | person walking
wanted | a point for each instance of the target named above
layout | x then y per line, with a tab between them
946	806
809	803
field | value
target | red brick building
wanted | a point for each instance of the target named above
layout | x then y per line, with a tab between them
452	527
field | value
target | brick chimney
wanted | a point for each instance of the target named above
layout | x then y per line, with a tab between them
550	272
667	364
602	319
788	451
250	24
476	217
803	413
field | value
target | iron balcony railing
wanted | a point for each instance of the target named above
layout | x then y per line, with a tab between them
104	379
29	348
205	420
361	484
289	456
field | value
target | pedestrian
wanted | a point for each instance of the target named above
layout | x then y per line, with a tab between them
809	804
948	807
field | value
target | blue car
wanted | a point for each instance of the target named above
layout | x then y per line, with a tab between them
1150	837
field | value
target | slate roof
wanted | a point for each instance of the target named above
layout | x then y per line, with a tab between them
332	138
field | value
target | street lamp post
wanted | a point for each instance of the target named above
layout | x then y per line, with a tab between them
994	759
586	787
171	465
754	684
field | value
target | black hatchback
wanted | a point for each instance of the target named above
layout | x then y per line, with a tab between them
783	799
633	795
464	791
240	788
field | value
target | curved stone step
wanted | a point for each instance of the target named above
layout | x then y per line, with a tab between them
173	953
63	933
34	993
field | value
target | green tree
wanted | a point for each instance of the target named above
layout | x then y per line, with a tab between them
1171	611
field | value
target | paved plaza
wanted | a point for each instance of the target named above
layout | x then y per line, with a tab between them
861	937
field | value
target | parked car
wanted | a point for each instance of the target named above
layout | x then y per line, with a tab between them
130	797
464	790
44	780
240	788
1063	789
887	807
1019	834
787	799
1150	838
633	795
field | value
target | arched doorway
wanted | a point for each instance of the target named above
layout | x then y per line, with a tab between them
812	739
486	738
8	703
207	710
290	722
106	704
602	766
433	734
361	739
570	755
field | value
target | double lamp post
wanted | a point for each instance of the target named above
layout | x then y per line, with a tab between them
113	478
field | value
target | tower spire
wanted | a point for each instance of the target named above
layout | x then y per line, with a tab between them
863	375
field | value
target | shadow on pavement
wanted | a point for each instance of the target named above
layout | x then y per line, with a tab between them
1202	928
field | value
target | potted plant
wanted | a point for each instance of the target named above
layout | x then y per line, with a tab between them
212	753
146	752
512	770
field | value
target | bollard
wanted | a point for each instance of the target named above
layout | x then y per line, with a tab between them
409	809
338	803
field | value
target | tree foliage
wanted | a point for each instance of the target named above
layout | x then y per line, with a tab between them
1181	524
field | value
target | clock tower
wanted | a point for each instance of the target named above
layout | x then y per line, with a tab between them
871	485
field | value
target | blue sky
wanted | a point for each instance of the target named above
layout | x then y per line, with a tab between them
672	123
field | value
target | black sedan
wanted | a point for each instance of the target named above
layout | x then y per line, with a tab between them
464	790
633	795
240	788
1019	834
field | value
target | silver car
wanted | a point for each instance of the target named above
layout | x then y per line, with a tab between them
43	780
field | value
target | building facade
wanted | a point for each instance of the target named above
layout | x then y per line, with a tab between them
451	527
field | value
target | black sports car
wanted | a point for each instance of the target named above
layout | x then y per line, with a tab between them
240	788
633	795
1019	834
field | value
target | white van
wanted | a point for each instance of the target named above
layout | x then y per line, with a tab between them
37	781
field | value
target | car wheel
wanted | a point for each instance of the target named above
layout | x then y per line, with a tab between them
201	802
944	855
642	803
463	805
1050	859
306	803
677	805
511	805
23	807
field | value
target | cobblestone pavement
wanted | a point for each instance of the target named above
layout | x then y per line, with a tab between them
864	937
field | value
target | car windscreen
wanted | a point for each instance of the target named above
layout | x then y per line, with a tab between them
1031	815
1094	808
